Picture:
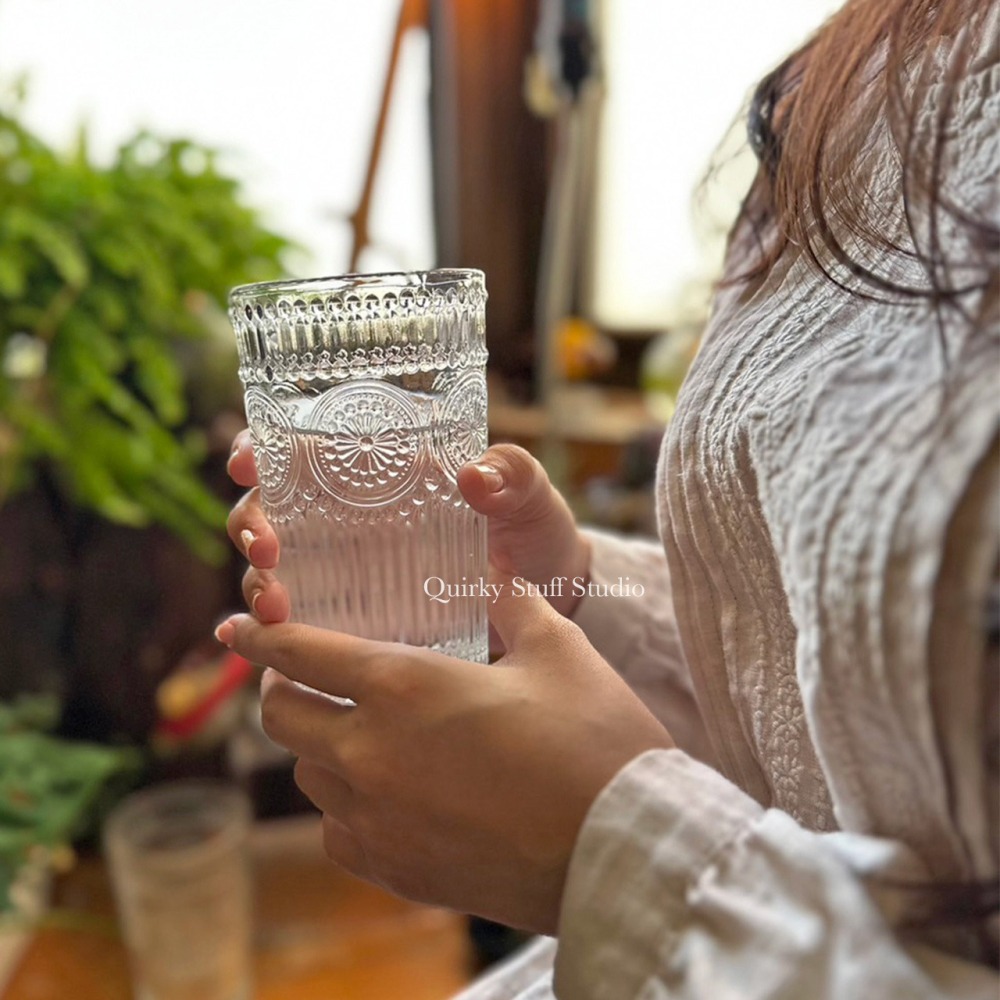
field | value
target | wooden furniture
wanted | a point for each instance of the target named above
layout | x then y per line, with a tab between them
490	163
320	933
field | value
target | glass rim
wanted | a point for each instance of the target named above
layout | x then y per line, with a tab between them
121	834
430	278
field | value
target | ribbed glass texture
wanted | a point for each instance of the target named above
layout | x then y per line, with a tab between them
365	394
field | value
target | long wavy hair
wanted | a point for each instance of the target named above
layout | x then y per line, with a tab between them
812	122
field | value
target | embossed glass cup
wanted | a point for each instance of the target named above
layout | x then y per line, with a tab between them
365	394
179	859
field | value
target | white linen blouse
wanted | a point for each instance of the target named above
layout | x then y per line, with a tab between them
812	635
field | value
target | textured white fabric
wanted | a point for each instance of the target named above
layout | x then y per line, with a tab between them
717	898
828	510
526	975
638	635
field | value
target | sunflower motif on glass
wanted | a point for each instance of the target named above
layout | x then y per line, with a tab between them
461	431
365	445
275	446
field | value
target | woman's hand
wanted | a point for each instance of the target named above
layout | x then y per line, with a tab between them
251	532
532	532
448	782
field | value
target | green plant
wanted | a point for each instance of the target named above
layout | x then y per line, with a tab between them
104	272
51	790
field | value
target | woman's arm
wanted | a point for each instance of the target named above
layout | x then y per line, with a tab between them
680	885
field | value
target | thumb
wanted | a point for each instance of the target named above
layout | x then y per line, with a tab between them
508	482
521	614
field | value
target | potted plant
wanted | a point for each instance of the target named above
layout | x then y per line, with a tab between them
115	358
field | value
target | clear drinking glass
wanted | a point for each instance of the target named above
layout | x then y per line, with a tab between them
364	395
179	864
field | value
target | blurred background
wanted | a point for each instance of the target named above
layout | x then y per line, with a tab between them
588	156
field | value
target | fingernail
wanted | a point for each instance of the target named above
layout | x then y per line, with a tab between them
247	537
225	632
492	478
254	600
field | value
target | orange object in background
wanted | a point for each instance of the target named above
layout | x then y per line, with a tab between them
191	698
582	351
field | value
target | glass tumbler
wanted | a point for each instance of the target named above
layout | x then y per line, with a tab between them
179	864
365	394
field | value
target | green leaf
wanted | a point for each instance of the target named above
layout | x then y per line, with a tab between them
104	351
56	243
116	256
98	488
206	541
159	378
12	274
41	433
108	305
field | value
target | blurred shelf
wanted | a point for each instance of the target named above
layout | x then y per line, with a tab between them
578	413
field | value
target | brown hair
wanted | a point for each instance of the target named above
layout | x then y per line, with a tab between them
812	121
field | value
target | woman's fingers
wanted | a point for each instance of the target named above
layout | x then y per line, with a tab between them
532	531
529	619
326	790
250	531
241	467
265	595
305	722
508	483
343	848
247	526
331	662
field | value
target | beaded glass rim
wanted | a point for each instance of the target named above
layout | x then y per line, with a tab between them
359	325
435	279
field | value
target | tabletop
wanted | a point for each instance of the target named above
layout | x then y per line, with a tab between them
319	933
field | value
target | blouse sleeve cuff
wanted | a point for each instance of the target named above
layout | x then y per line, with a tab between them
649	835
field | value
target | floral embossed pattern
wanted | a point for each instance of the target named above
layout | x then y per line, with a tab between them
366	449
460	434
365	393
275	446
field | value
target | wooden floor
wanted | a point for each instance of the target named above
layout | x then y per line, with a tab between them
320	934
